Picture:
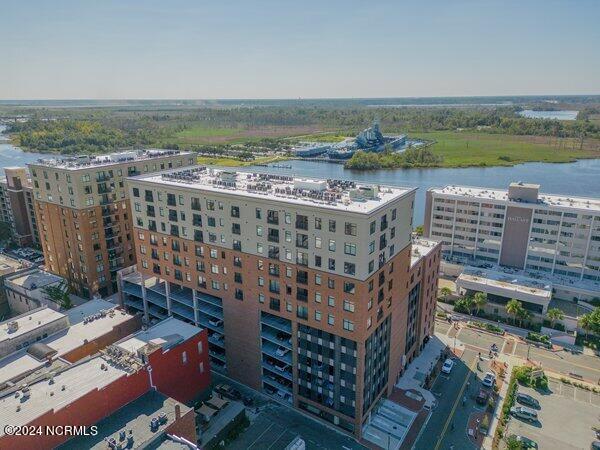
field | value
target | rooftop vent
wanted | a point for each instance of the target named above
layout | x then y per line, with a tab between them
364	192
13	326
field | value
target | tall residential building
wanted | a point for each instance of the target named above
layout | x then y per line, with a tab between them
525	244
84	216
16	205
307	287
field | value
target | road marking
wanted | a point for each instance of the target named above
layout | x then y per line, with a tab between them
261	435
278	437
458	398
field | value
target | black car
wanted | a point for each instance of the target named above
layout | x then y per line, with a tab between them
528	400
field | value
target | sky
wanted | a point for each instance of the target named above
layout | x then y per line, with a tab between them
120	49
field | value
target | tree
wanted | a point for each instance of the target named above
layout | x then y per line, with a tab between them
585	322
522	315
419	230
469	303
553	315
513	307
479	301
59	295
445	291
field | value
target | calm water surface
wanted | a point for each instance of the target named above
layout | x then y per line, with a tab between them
581	178
558	115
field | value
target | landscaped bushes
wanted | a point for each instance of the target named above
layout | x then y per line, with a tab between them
540	338
492	328
509	401
523	376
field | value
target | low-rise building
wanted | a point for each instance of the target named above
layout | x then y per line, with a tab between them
8	266
26	291
171	358
46	340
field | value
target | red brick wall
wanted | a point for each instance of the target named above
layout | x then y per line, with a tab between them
184	427
87	410
119	332
173	377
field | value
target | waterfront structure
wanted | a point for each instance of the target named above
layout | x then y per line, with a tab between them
169	358
84	216
16	205
308	288
26	290
526	245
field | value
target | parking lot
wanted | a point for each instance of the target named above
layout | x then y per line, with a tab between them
567	417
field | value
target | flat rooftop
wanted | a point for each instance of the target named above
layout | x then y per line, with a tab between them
512	283
421	248
34	280
8	264
134	416
28	322
167	332
111	159
21	362
331	194
78	381
483	194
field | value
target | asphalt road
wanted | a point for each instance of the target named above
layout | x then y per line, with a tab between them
447	425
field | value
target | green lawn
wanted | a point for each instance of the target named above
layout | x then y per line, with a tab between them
461	149
321	137
202	133
232	162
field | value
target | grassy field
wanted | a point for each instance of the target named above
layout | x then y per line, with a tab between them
461	149
322	137
232	162
201	134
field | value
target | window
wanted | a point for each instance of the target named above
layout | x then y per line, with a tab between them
318	316
331	264
348	306
259	247
318	279
331	300
184	357
318	242
372	227
350	229
350	249
317	223
301	222
302	312
349	268
330	319
235	211
350	287
288	218
348	325
318	297
332	226
258	213
259	230
371	247
331	245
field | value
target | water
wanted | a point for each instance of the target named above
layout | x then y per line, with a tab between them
581	178
557	115
11	156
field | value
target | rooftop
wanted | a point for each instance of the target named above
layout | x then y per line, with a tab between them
134	417
421	248
35	279
512	282
28	322
92	161
9	265
331	194
480	193
20	362
165	333
67	387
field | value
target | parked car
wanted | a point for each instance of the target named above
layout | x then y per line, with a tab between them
528	400
448	365
228	391
526	443
489	380
596	445
524	413
483	396
282	351
215	322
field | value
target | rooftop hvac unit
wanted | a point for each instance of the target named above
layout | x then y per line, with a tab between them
13	326
311	185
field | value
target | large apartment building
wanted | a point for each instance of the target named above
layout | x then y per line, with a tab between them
16	205
548	245
308	287
83	213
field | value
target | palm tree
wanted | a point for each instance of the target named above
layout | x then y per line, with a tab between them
585	322
523	314
468	302
479	301
445	291
553	315
513	307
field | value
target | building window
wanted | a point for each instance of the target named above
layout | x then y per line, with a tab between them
331	300
184	357
350	249
330	319
348	325
350	229
332	226
348	306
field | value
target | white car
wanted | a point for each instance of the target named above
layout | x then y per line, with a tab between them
282	351
489	379
448	365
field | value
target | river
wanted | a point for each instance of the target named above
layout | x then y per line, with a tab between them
581	178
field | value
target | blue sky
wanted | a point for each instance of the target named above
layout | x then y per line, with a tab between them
281	49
